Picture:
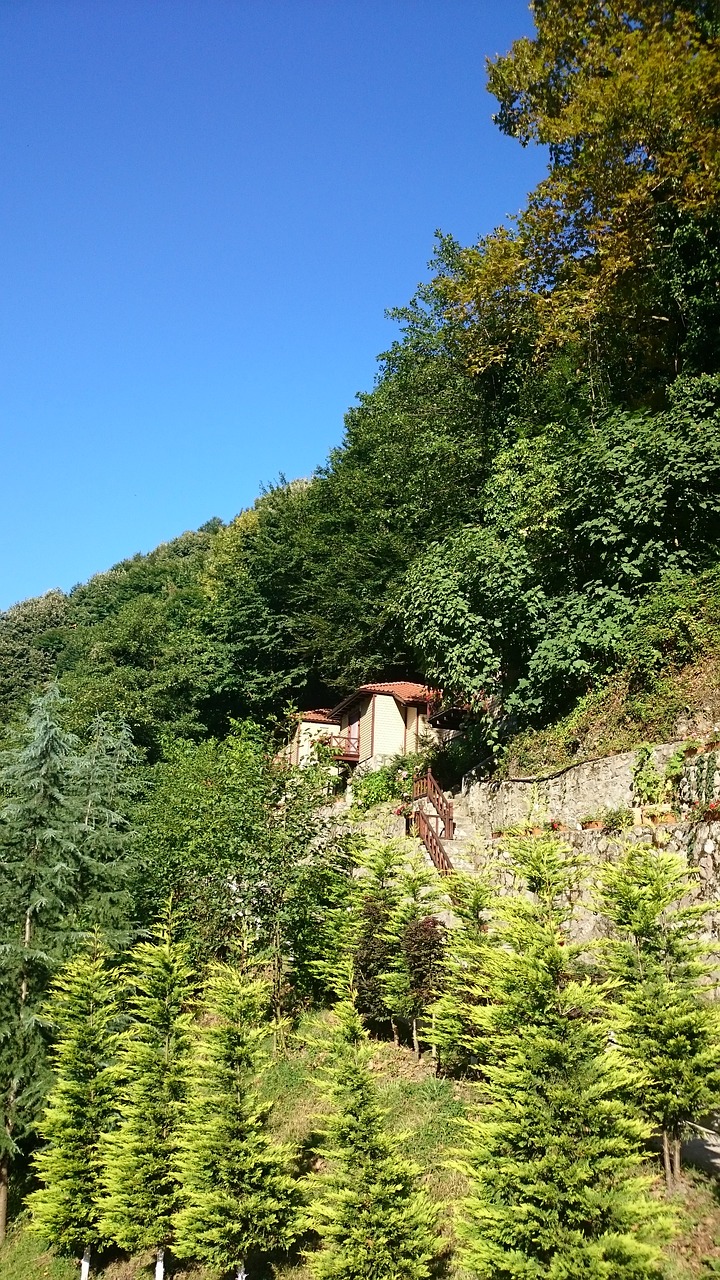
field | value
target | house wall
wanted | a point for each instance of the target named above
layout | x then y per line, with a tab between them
411	732
306	735
389	736
366	729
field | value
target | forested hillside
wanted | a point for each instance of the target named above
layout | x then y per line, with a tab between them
527	500
524	511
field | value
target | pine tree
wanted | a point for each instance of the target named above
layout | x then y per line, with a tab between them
458	1027
38	886
140	1178
238	1195
553	1155
104	787
57	876
83	1013
375	898
373	1220
667	1025
416	938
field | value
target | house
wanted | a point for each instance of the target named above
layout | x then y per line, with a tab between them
312	727
370	725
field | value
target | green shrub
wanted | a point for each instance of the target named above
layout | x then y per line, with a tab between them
392	782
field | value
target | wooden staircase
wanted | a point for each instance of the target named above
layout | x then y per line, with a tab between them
434	820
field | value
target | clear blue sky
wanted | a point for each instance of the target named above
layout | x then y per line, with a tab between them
205	208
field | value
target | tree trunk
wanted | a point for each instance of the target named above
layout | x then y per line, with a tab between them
85	1264
416	1042
396	1037
676	1157
667	1164
241	1273
160	1265
4	1180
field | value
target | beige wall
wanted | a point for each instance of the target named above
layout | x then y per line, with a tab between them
389	737
306	735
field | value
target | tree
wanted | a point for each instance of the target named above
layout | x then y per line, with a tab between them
625	98
238	1196
140	1178
83	1013
667	1025
416	939
62	869
458	1026
290	879
553	1155
373	1220
360	933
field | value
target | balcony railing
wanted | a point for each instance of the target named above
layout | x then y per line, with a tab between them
343	747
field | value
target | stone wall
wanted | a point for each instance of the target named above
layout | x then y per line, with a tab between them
566	796
700	843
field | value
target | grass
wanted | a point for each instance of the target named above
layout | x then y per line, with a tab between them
24	1257
425	1112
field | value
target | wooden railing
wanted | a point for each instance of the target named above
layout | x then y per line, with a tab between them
343	747
428	787
430	838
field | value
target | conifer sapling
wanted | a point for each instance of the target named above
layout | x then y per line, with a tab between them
373	1219
238	1196
83	1012
141	1183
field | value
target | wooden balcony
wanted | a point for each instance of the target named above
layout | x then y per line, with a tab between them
342	747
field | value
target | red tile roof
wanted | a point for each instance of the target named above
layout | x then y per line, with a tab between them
408	692
321	715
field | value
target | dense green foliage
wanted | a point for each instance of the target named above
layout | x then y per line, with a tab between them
141	1182
537	466
238	1194
372	1218
80	1106
524	512
553	1156
668	1026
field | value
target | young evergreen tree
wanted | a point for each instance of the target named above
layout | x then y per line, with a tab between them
374	1221
61	869
553	1155
140	1177
667	1025
83	1012
416	938
363	933
238	1196
458	1028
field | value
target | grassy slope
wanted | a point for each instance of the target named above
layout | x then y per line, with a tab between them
425	1111
619	716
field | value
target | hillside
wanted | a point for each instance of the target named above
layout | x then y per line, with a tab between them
523	513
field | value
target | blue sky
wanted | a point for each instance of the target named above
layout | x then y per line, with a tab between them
205	208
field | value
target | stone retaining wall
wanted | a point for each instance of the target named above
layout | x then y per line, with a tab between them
566	796
700	843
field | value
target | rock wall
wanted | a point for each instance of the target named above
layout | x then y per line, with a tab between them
700	843
565	797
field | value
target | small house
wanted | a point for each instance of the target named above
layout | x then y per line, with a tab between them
370	725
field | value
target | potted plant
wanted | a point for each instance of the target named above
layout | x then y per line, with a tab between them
592	822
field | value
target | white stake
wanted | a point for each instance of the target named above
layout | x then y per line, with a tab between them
160	1265
85	1264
